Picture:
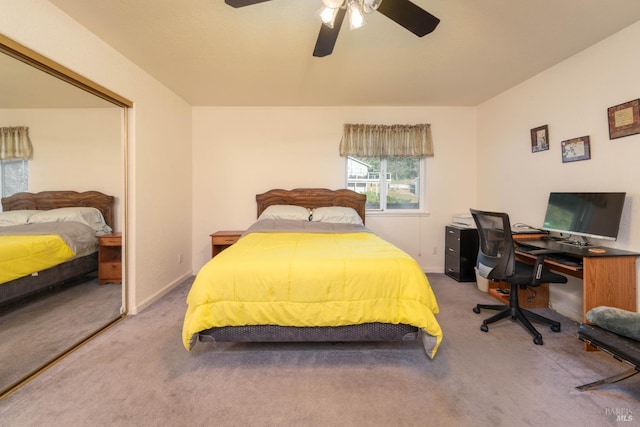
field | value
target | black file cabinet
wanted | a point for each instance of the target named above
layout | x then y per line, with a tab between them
461	253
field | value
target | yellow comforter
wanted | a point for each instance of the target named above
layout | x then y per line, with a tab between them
311	279
24	255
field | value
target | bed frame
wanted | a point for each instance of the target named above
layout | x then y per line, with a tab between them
19	288
312	198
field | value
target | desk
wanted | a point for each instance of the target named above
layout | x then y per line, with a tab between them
608	278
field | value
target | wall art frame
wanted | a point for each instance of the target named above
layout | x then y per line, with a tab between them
624	119
576	149
540	139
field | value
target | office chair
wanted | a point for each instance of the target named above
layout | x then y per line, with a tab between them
496	262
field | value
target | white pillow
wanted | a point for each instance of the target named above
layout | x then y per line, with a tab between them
85	215
336	214
286	212
19	217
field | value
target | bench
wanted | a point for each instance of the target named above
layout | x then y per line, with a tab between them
600	332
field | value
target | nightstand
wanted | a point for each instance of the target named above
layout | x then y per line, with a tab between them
110	259
221	240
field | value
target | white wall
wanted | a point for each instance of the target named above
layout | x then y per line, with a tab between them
572	98
74	149
239	152
159	187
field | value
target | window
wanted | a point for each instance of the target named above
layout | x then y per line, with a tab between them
387	163
390	183
14	176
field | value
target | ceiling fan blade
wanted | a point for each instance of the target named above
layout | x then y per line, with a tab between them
328	36
243	3
412	17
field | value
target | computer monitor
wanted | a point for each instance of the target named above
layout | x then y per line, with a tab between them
595	215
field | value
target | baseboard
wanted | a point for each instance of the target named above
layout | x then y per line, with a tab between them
155	297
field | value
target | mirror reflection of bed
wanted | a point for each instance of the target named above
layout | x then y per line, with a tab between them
43	296
78	144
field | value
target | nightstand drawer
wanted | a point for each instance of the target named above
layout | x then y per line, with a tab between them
110	270
224	240
221	240
110	241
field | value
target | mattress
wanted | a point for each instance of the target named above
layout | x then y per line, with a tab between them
303	274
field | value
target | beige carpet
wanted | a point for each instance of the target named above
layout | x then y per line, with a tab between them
138	374
35	331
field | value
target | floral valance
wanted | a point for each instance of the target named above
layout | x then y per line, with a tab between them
15	143
386	140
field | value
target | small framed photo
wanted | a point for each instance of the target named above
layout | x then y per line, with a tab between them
540	139
624	119
576	149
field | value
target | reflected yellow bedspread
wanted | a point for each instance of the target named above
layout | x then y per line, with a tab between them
24	255
310	279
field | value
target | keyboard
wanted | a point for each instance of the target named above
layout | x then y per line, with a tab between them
558	258
565	260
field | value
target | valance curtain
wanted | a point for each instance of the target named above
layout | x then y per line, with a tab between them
386	140
15	143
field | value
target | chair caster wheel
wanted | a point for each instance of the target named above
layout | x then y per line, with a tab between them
476	310
484	328
555	328
537	340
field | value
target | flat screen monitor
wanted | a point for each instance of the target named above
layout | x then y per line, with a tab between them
594	215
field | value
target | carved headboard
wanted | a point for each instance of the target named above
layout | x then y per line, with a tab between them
46	200
313	198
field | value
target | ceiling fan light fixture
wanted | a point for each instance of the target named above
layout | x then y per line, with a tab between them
327	15
370	6
356	14
333	4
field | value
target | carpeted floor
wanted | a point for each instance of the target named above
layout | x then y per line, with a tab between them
43	326
138	374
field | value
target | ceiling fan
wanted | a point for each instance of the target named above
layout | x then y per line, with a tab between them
403	12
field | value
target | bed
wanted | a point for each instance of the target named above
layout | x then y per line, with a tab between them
311	272
52	215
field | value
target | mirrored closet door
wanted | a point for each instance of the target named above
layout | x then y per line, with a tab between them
78	133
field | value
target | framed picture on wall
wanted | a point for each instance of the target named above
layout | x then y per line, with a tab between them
540	139
624	119
576	149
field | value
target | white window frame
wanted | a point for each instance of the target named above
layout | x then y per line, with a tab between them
422	193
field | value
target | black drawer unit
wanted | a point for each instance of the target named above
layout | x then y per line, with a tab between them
461	253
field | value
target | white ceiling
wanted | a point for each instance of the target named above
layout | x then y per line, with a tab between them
212	54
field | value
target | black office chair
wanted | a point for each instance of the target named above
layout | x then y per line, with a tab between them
496	262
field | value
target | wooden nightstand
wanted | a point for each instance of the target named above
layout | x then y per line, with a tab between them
220	240
110	259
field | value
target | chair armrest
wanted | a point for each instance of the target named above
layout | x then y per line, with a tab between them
541	255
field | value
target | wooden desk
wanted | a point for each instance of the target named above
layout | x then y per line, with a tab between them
608	278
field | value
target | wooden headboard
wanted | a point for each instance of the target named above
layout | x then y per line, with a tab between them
46	200
313	198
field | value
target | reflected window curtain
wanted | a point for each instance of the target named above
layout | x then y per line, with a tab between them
386	140
15	143
15	152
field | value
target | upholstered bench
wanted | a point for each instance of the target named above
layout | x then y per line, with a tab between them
616	332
